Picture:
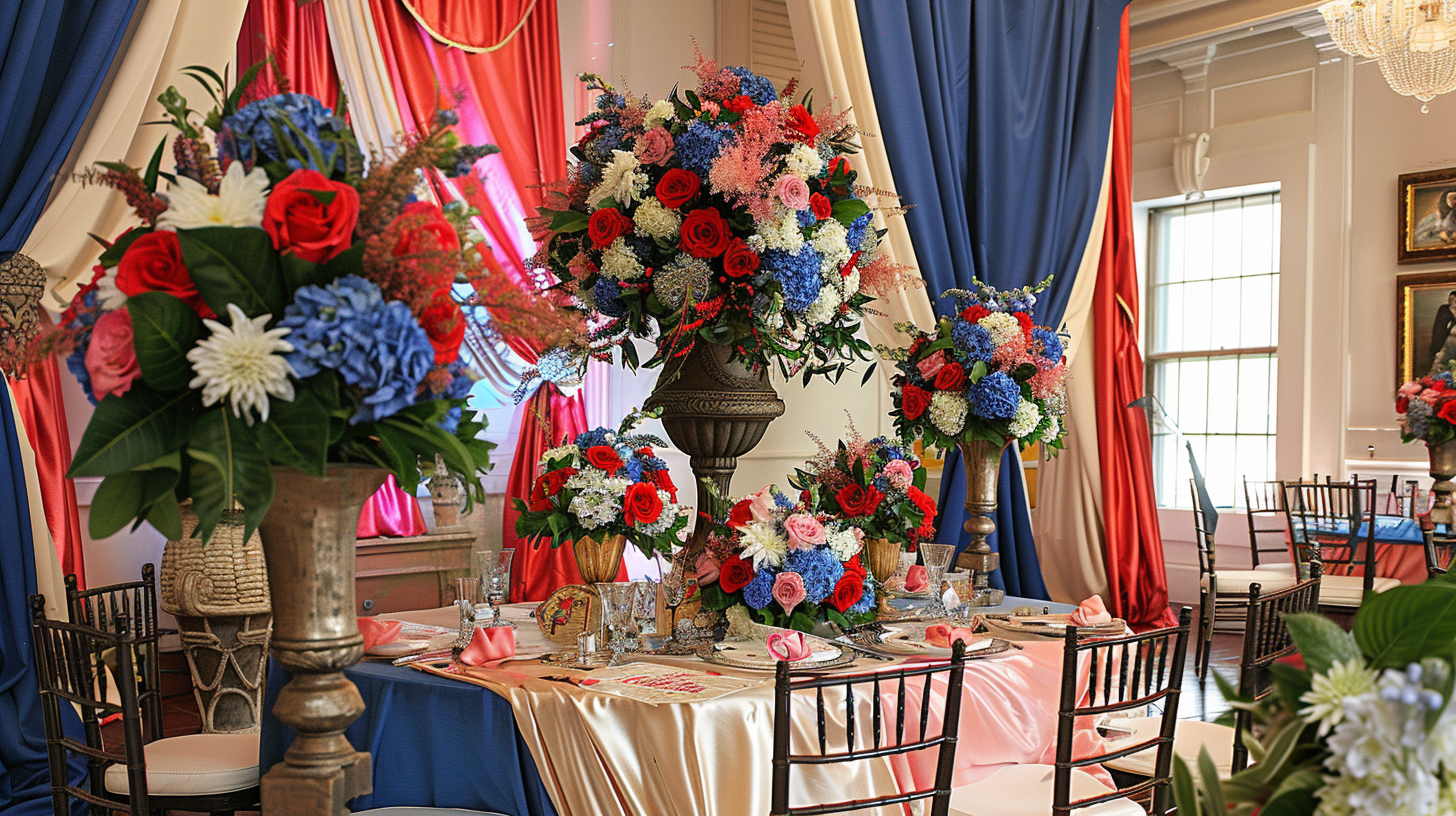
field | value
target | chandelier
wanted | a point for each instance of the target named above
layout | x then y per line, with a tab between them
1410	39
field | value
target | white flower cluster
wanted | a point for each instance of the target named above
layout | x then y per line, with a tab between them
803	161
560	453
830	238
948	411
620	262
844	542
660	112
782	233
671	512
599	501
1003	327
824	308
1028	416
763	544
652	220
622	180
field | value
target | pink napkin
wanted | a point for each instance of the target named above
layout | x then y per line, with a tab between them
488	644
1090	613
944	635
788	646
916	579
377	632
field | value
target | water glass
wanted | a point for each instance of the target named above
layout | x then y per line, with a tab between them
936	557
495	573
644	610
468	590
617	601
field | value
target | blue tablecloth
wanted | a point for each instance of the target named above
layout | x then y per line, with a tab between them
1388	530
436	743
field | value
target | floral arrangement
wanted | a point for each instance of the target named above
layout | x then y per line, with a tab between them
605	483
1427	409
877	484
1365	727
728	215
791	565
988	372
278	306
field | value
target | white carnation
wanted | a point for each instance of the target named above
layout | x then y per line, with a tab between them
829	239
843	543
652	220
1027	417
621	180
1003	327
661	111
824	307
619	262
804	162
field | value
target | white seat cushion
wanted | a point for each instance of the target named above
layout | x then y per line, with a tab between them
423	811
1348	590
1237	582
1284	568
195	765
1026	790
1189	738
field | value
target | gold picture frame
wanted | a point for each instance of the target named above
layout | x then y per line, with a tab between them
1423	307
1427	216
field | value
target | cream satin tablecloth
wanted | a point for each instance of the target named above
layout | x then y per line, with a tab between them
610	755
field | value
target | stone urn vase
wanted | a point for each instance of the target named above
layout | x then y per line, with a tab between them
598	560
308	539
982	461
715	410
219	594
1443	470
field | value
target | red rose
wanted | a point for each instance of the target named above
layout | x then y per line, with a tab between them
1026	325
821	205
839	164
848	591
848	267
704	233
974	313
741	514
556	479
950	378
854	567
153	263
645	451
677	187
665	482
1400	405
604	457
1447	411
802	123
606	226
539	501
642	505
429	231
914	401
445	326
739	260
300	223
739	104
734	574
857	500
926	506
111	359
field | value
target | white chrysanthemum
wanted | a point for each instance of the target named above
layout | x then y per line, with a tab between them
1028	416
824	307
108	296
621	180
1325	700
561	453
843	543
804	162
830	240
239	201
948	412
849	284
243	364
619	262
762	544
1003	327
660	112
782	232
653	220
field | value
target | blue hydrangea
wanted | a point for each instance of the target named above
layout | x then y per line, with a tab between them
760	89
632	469
856	231
699	145
866	601
819	569
798	275
251	134
459	388
806	218
1050	342
377	346
882	484
972	341
759	592
604	295
592	438
76	360
783	502
996	396
609	138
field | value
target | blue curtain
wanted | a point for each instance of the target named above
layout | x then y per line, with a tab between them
996	115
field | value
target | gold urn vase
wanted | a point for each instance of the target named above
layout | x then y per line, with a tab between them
883	558
982	461
598	561
1443	470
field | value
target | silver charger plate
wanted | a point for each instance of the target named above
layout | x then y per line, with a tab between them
908	640
1055	629
753	660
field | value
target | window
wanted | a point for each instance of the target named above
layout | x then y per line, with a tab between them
1213	333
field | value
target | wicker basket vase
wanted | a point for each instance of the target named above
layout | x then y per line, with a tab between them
219	595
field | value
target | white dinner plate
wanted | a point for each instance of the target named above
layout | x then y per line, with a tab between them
399	648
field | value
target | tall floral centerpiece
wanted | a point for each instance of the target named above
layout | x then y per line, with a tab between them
877	485
1427	409
280	330
604	489
725	224
987	377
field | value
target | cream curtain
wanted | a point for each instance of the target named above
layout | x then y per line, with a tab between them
48	578
374	111
170	35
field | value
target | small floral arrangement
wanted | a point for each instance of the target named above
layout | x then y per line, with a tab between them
791	565
1427	409
605	483
728	215
278	306
877	484
988	372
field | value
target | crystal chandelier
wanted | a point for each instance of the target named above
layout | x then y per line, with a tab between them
1410	39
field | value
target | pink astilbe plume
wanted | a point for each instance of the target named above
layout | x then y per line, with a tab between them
883	276
713	82
1010	354
1048	378
741	173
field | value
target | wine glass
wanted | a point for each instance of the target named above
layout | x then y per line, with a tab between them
495	574
936	558
644	612
617	615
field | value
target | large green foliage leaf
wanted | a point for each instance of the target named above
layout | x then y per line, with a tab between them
1321	641
164	329
124	497
235	265
133	429
1403	625
229	468
296	434
112	256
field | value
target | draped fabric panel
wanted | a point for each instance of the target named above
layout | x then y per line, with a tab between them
296	37
471	27
997	132
359	58
1136	576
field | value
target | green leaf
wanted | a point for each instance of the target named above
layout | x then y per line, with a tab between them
1185	795
298	273
296	434
400	452
243	82
1321	641
229	468
235	265
846	210
164	329
978	371
112	256
1291	683
1403	625
324	197
166	516
565	221
1208	773
134	429
122	497
428	440
149	179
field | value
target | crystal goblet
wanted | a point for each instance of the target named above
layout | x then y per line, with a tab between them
936	558
617	615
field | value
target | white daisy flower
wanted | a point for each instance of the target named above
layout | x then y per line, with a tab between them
239	201
243	364
762	544
621	180
108	296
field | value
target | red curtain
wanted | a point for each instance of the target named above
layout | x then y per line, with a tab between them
297	37
1136	577
471	26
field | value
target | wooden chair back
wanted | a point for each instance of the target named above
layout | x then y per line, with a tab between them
1267	640
136	603
1325	521
1264	504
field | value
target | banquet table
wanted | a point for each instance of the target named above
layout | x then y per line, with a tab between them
517	739
1399	547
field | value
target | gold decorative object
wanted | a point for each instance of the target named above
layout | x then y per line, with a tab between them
1443	470
598	561
22	283
1411	40
568	612
219	594
883	558
445	494
982	460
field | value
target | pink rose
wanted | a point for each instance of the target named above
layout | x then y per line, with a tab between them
805	531
1410	389
761	504
711	109
788	590
899	474
932	365
793	191
111	359
654	146
1430	395
707	569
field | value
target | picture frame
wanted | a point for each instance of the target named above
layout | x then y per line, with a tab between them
1427	216
1423	306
